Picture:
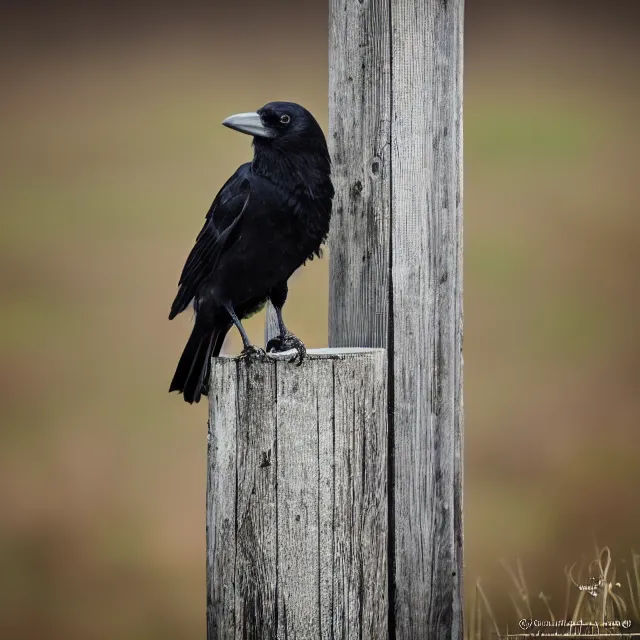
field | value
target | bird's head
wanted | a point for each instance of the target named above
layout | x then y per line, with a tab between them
283	125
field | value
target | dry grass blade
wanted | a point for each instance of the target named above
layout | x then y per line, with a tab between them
514	602
545	599
600	598
568	572
519	582
488	608
470	630
634	594
604	572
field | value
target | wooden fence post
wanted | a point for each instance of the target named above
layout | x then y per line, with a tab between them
395	135
297	497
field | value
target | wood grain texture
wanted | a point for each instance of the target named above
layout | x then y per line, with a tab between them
427	315
297	509
221	502
256	511
420	42
299	425
359	143
360	522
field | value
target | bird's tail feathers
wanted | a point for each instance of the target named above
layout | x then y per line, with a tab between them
192	373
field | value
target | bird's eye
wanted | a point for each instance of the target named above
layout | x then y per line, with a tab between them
285	119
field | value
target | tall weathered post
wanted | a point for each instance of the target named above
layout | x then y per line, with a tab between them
395	136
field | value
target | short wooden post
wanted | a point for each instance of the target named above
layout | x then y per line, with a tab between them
395	136
297	497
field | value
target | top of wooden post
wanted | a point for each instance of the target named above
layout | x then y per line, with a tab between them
315	354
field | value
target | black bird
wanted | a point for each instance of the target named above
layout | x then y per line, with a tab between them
268	219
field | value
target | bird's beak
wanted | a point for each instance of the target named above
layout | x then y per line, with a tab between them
249	123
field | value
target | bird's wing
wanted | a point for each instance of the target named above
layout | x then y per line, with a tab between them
219	231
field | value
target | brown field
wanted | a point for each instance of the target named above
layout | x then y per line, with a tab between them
111	156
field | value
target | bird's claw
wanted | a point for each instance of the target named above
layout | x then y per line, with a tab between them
252	352
288	342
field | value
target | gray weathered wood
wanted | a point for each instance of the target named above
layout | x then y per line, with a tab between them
359	143
221	503
255	517
359	508
395	79
297	497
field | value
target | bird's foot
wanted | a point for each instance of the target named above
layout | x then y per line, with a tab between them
251	352
287	342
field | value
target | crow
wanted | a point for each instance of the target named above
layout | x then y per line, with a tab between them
268	219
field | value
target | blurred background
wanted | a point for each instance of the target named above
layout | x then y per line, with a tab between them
111	153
